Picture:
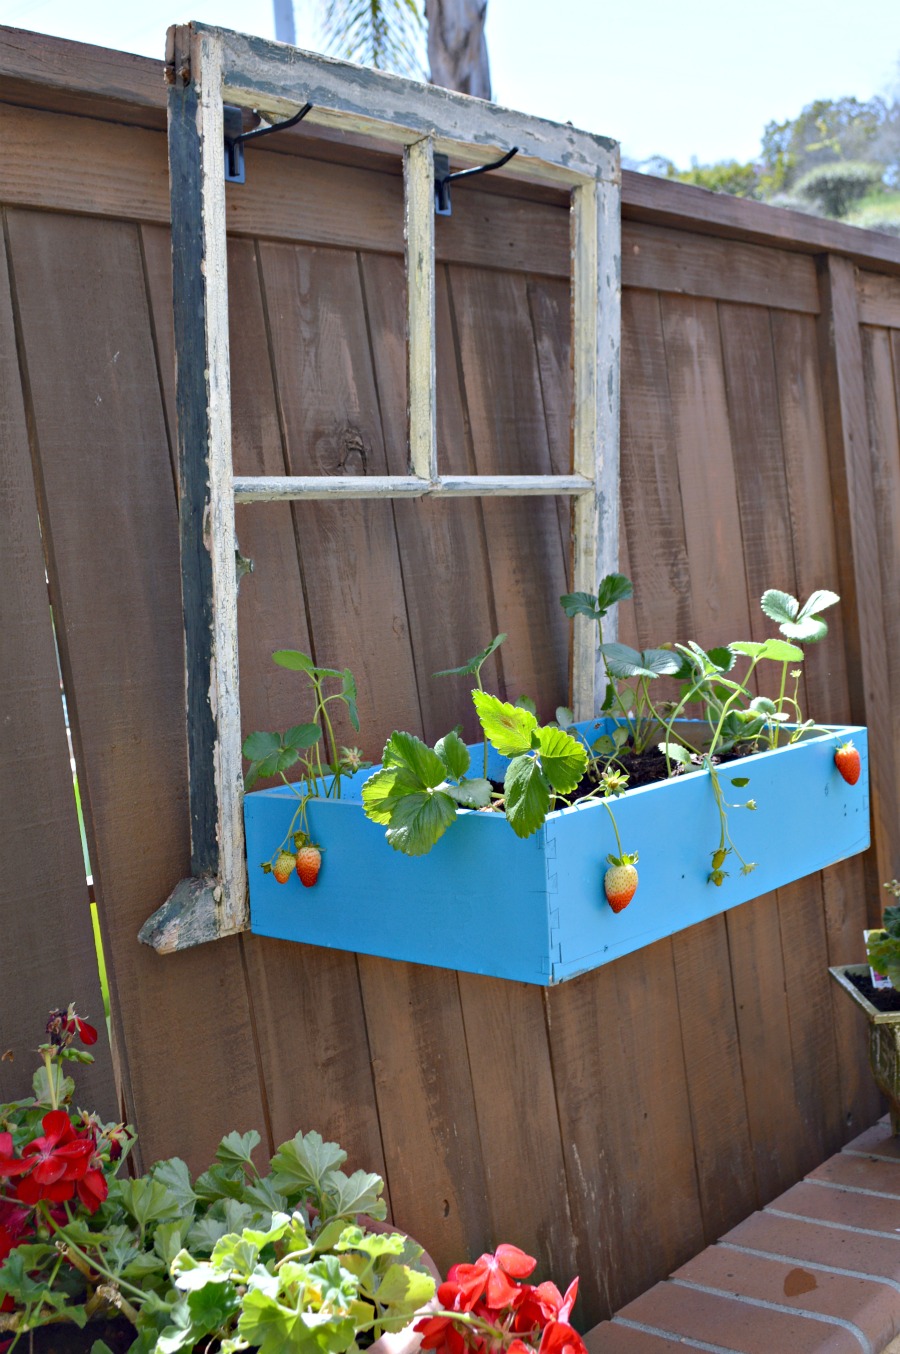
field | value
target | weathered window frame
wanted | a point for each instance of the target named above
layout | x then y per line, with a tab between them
206	68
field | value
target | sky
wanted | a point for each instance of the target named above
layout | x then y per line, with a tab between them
699	79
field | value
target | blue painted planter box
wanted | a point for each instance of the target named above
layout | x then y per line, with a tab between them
487	902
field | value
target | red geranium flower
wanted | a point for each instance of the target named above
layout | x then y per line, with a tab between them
544	1303
491	1275
10	1164
92	1187
560	1338
86	1033
60	1158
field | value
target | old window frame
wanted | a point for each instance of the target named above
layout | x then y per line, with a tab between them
206	68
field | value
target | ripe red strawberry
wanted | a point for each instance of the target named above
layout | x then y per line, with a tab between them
620	881
283	866
846	759
309	862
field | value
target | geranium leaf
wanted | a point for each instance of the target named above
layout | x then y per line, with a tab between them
418	820
356	1193
175	1177
304	1162
374	1244
238	1148
563	758
454	754
527	795
506	727
403	1291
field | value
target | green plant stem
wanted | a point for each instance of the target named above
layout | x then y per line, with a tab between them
729	703
612	819
91	1261
51	1080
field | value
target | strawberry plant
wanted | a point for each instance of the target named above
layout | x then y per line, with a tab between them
273	754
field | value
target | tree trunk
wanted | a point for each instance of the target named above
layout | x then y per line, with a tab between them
457	51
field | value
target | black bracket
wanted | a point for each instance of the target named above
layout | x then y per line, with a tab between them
443	178
235	138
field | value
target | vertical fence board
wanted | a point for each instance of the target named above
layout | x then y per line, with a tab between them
509	432
114	567
47	958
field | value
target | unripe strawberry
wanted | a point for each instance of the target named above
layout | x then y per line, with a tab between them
620	881
283	866
309	862
846	759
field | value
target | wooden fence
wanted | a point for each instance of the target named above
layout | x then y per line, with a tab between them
614	1125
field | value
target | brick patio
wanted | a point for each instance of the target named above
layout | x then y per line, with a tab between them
816	1272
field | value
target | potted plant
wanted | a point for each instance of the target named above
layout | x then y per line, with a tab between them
518	856
880	1000
292	1259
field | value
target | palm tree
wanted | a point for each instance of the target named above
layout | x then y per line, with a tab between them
387	34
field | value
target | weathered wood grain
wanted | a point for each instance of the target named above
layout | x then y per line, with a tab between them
625	1121
113	566
878	299
48	957
442	549
499	370
723	1149
856	527
332	424
426	1107
659	259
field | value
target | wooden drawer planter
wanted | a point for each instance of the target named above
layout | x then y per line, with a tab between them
487	902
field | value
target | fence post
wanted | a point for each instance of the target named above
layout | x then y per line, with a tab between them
846	423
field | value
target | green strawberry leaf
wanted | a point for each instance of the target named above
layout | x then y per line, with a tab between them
380	793
526	703
675	753
506	727
260	745
471	794
454	754
527	795
564	717
581	604
350	695
802	623
563	759
408	753
302	736
775	649
473	666
613	588
294	660
419	819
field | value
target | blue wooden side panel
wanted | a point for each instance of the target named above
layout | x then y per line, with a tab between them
485	902
476	902
807	817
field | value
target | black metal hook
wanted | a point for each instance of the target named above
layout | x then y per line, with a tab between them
235	138
443	178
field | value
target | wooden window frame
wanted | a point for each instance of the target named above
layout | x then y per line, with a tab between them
206	68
